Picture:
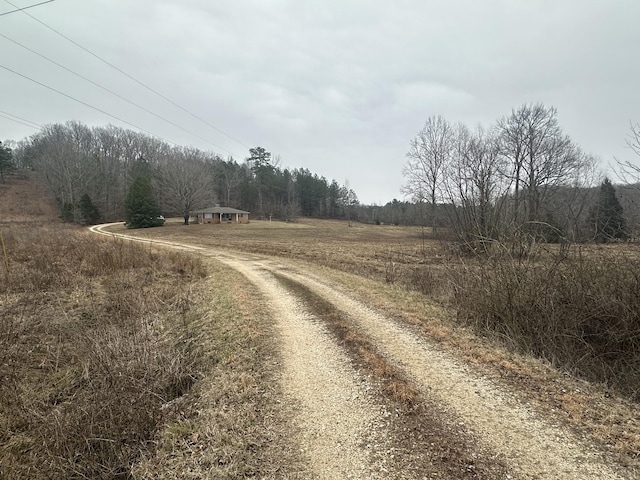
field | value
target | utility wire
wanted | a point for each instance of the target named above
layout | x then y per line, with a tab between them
112	92
84	103
24	8
20	120
132	78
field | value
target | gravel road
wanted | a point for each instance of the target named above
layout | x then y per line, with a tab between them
342	423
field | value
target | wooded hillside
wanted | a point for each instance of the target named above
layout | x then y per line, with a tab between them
102	163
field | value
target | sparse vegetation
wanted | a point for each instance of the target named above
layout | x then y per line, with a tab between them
84	318
574	307
235	424
118	360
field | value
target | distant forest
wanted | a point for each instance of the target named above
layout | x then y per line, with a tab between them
100	164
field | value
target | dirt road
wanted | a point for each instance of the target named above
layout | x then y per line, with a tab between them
350	425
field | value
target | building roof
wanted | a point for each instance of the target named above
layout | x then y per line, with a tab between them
220	210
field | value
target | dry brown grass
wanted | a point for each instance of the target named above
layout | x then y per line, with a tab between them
578	309
394	254
94	340
119	360
601	415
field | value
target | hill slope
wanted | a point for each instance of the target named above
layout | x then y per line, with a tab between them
24	197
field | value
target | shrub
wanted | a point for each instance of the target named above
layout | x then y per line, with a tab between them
580	309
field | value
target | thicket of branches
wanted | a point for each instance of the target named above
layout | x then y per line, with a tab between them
102	163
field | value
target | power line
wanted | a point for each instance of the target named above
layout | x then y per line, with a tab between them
112	92
84	103
24	8
21	120
132	78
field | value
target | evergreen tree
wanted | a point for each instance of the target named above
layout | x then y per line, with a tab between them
89	212
141	208
67	213
606	217
6	161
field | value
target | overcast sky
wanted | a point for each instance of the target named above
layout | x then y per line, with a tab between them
338	87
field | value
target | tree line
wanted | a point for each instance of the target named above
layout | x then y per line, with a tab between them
520	178
91	170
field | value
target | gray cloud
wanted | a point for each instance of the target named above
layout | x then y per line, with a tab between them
336	87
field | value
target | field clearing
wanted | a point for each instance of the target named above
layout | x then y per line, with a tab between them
230	420
407	256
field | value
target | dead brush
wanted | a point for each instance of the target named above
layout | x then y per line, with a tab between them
95	337
580	309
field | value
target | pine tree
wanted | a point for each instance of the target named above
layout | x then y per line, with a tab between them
89	212
141	208
67	213
606	217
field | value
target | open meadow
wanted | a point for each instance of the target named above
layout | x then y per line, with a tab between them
575	306
395	254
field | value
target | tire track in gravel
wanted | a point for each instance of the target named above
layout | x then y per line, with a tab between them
337	417
535	448
337	420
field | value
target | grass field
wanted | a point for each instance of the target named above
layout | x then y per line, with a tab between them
401	255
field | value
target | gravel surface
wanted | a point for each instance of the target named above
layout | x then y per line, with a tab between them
537	449
336	414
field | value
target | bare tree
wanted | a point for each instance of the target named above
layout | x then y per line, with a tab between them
634	138
626	170
570	203
230	176
541	158
428	158
476	187
186	181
